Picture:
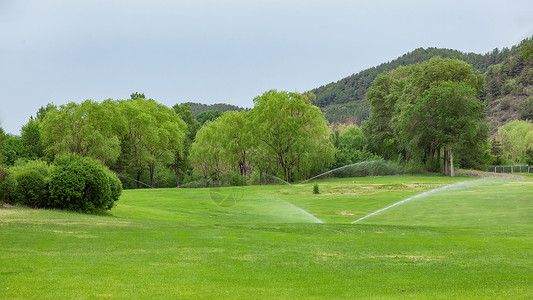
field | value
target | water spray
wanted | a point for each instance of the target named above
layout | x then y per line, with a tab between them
414	197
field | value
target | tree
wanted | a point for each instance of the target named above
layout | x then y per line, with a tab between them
43	110
205	151
221	147
516	138
527	48
31	139
447	115
89	129
2	137
235	138
416	111
290	132
11	150
209	115
377	128
136	95
352	148
181	162
153	131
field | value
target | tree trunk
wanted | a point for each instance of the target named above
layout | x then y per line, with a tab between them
438	157
177	179
151	169
452	170
446	172
139	172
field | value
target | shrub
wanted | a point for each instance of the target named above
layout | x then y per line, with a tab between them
31	188
7	189
316	190
234	180
26	183
201	183
115	186
505	104
81	184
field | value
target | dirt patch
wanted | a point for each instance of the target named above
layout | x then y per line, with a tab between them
481	174
411	257
345	213
61	231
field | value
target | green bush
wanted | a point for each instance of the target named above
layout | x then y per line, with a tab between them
505	104
81	184
234	180
201	183
316	190
7	189
31	188
116	188
26	183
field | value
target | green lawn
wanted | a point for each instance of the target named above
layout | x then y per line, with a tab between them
472	240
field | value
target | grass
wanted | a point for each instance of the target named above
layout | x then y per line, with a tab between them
470	241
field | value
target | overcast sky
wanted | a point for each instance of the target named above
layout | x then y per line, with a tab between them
223	51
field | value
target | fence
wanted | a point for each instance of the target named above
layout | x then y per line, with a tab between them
511	169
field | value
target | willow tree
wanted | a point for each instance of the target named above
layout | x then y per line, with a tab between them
288	130
516	138
205	151
89	129
181	162
222	146
153	132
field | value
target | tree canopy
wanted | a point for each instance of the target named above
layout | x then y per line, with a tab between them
88	129
421	110
290	135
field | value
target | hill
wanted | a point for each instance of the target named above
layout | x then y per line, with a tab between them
345	101
198	108
509	89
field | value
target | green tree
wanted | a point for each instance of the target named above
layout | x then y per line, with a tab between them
382	96
447	115
526	109
209	115
235	138
89	129
222	146
412	114
12	149
2	137
153	131
137	95
291	132
352	148
205	151
43	110
516	138
527	48
31	139
181	163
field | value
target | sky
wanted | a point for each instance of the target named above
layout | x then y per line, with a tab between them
225	51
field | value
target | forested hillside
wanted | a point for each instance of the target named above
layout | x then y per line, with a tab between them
198	108
337	98
354	87
509	90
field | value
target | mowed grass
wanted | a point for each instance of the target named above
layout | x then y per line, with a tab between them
472	240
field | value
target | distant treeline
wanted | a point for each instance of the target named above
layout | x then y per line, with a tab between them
198	108
506	73
354	87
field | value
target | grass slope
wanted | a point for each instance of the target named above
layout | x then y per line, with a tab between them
473	241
